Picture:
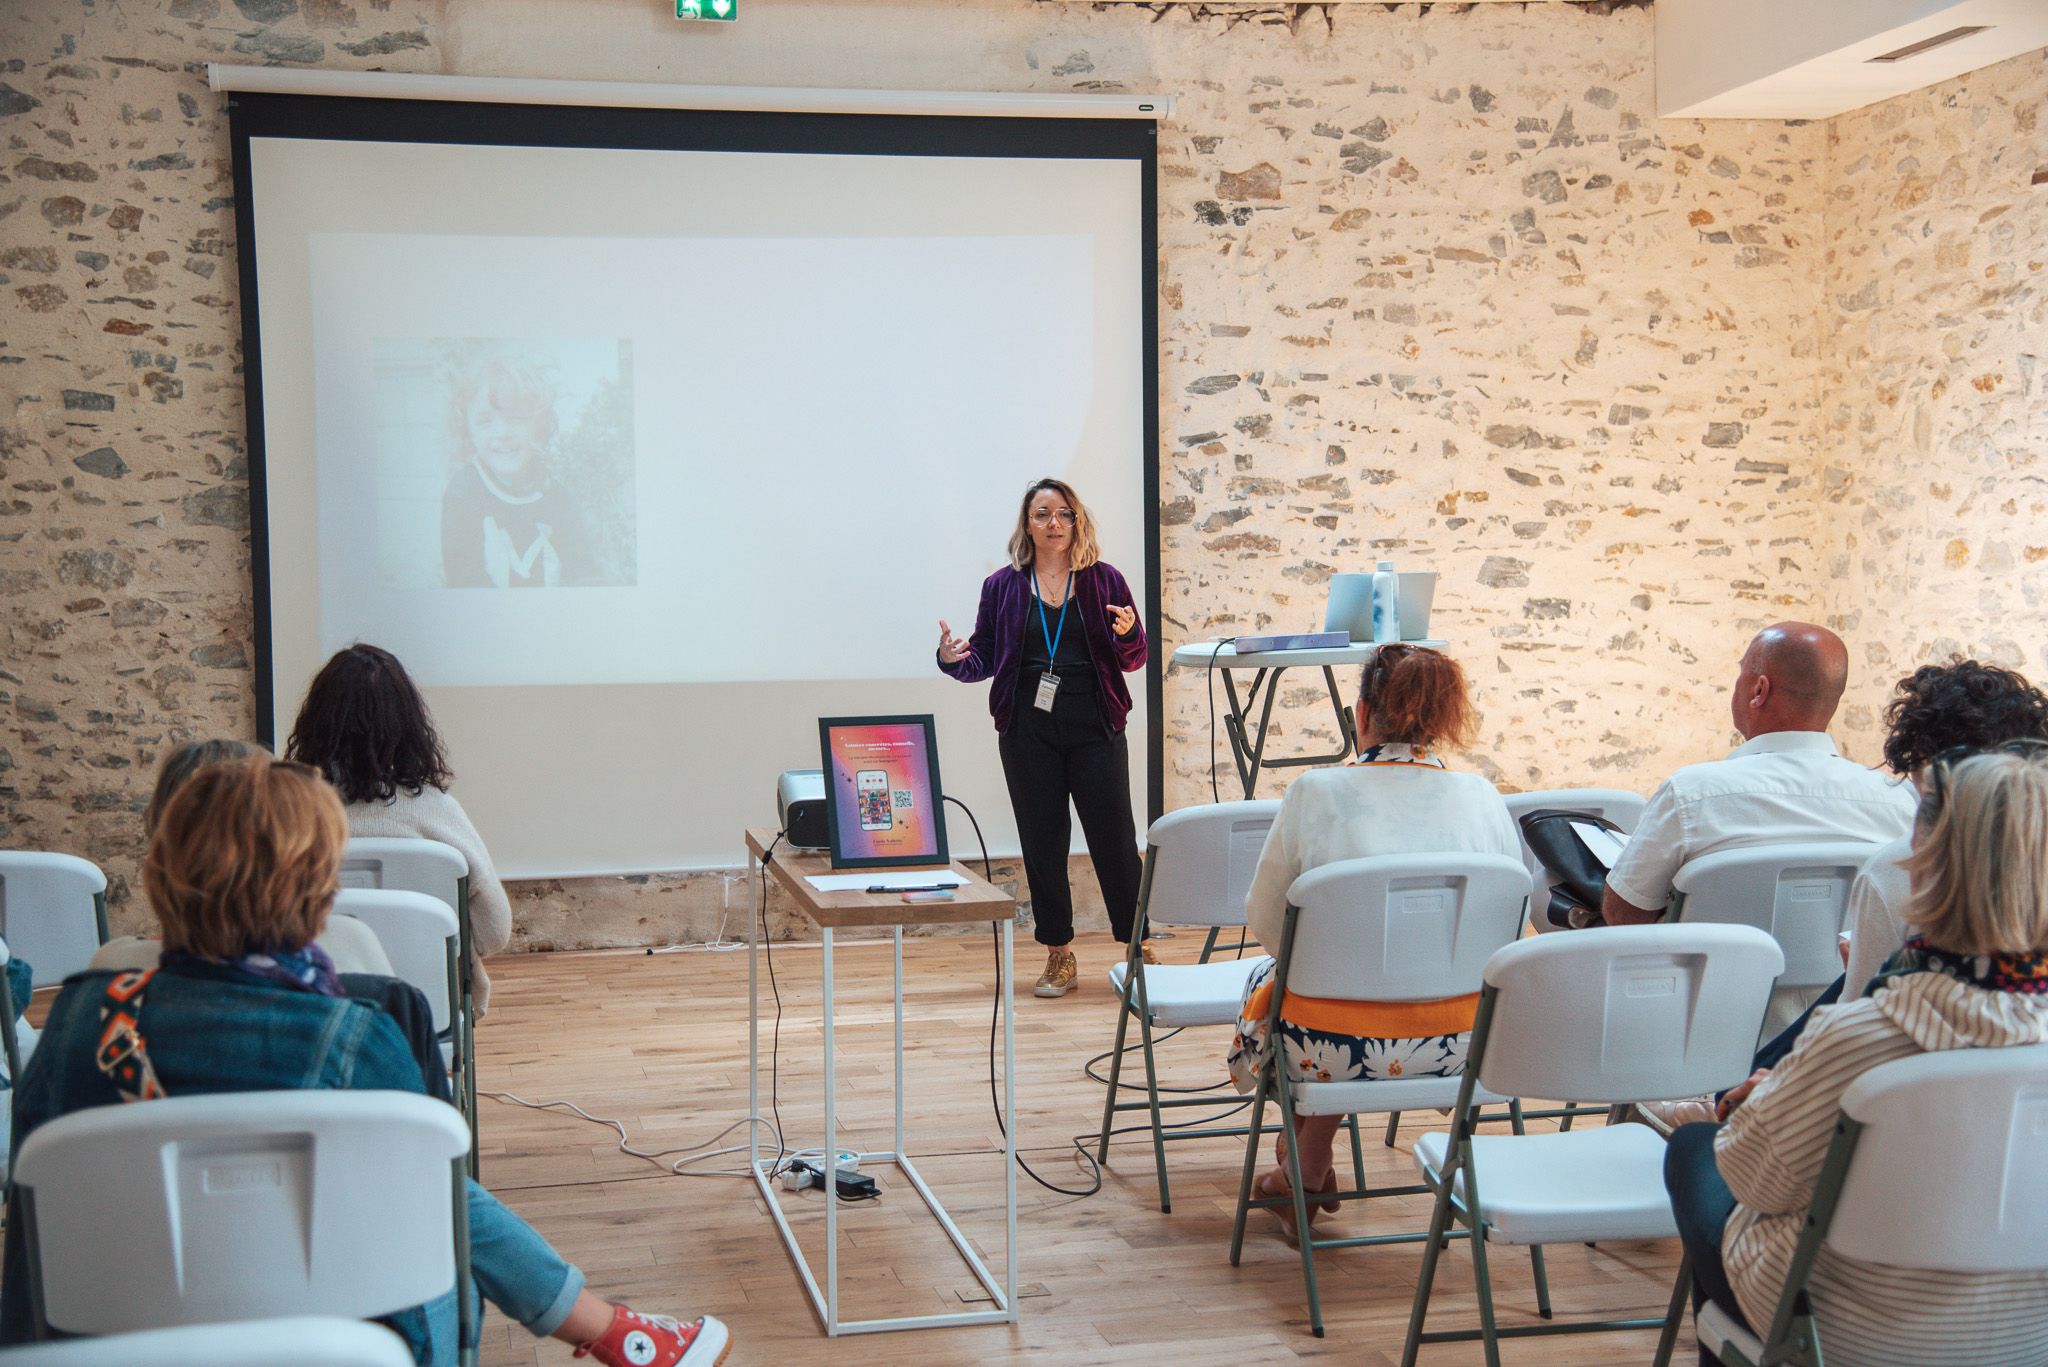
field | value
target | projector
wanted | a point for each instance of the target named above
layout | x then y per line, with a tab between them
800	808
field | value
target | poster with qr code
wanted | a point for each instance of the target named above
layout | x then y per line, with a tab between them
882	793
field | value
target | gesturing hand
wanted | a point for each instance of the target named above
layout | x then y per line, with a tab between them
1121	620
952	651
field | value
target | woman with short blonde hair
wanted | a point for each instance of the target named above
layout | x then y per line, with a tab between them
1973	975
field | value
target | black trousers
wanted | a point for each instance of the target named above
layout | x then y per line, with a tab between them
1049	759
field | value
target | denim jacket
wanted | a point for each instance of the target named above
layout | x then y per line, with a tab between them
208	1029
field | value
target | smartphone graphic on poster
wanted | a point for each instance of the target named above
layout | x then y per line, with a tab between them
873	787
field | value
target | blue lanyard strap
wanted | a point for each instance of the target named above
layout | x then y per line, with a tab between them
1052	635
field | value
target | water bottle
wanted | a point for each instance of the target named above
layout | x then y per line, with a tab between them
1386	604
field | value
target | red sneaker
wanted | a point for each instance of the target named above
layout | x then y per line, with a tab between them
637	1340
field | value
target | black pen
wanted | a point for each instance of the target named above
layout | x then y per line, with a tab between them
928	887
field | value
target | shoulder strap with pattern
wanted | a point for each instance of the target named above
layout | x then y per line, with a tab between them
123	1055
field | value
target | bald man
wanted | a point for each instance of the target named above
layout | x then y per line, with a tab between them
1786	782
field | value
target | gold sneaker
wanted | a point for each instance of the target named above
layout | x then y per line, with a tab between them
1145	949
1060	972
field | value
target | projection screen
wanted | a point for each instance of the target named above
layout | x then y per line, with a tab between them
645	438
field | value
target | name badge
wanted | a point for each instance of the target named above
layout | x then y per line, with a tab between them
1048	685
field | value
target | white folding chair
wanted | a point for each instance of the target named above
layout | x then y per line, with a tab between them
17	1042
438	870
53	910
1199	864
1389	928
1939	1163
1611	1014
1797	893
419	936
244	1205
1618	805
301	1340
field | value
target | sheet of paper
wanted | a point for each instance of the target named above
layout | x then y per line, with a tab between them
1603	844
884	878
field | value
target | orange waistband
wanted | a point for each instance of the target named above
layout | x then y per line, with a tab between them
1370	1020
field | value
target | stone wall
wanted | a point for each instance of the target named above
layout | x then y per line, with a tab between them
1436	285
1932	297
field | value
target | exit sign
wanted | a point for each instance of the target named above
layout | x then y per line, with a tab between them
708	9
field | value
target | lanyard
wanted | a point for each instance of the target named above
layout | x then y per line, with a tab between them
1052	635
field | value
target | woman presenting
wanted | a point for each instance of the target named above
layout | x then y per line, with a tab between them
1057	633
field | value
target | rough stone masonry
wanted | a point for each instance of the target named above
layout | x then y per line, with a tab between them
1436	286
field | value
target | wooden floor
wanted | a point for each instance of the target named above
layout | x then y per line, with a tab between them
660	1042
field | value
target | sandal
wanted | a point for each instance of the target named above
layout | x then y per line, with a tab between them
1274	1184
1329	1182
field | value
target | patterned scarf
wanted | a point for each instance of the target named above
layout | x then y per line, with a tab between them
1397	752
2025	973
306	970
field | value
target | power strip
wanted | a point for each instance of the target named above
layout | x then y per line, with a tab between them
802	1174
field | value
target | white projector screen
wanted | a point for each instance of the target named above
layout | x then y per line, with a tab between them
787	378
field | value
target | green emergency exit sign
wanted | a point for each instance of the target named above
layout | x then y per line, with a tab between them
708	9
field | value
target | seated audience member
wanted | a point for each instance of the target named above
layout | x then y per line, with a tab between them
352	946
1961	706
1397	798
1974	975
365	727
1786	782
242	871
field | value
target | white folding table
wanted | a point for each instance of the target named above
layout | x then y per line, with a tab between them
1248	746
975	899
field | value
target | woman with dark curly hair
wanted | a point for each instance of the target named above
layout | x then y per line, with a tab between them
365	727
1961	705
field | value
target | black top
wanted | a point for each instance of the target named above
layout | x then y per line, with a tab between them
1075	664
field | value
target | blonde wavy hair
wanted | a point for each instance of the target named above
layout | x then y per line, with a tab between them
1084	553
1980	855
246	858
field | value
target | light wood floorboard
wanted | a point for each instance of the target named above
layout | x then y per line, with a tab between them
660	1042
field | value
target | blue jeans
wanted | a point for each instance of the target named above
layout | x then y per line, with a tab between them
1701	1203
514	1268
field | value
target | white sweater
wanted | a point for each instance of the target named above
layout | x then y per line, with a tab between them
432	814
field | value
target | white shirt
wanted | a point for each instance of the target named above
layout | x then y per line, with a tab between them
1395	806
1780	788
1877	914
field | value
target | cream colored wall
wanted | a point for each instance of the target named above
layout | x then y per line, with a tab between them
1435	285
1932	297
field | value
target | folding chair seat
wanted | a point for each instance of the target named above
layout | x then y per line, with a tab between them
1939	1164
1389	928
1798	894
244	1205
53	911
438	870
301	1340
1199	864
1612	1015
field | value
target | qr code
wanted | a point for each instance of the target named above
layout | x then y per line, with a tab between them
902	799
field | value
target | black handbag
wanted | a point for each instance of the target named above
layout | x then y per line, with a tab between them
1581	876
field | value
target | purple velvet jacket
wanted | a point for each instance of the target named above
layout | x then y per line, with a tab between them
996	649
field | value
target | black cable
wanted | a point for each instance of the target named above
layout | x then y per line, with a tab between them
775	1047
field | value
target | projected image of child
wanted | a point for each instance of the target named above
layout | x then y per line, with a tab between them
505	521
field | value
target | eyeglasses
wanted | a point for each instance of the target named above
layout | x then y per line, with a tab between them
1043	517
1936	795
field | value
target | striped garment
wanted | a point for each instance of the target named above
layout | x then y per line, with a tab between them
1771	1152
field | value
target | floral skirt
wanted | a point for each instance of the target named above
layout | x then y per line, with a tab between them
1324	1056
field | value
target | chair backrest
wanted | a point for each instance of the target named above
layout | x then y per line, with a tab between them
52	910
1951	1170
1203	859
302	1340
1627	1013
1618	805
1403	927
405	864
1797	893
242	1205
419	936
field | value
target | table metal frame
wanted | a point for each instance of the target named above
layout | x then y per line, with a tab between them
825	1301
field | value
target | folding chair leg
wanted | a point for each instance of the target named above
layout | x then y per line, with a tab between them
1425	1280
1542	1281
1483	1279
1675	1316
1357	1153
1209	945
1253	1132
1152	1094
1393	1124
1305	1236
1116	1069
